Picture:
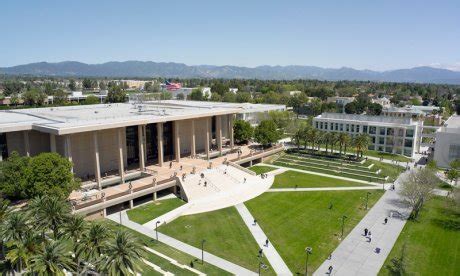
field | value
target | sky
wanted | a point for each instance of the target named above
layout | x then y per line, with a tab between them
369	34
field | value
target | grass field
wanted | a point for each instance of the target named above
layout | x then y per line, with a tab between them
179	256
225	233
291	179
261	169
296	220
431	244
147	212
389	156
392	171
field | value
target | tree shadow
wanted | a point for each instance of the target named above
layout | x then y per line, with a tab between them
447	224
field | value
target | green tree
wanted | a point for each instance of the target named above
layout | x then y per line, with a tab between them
94	242
361	143
13	176
87	84
124	255
266	133
12	87
216	97
243	97
374	109
242	131
116	95
219	88
196	95
180	96
52	259
72	85
49	212
60	97
343	140
34	97
91	99
229	97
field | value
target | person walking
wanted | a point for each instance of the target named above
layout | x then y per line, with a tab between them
206	183
365	232
255	222
170	164
385	221
329	270
369	237
266	243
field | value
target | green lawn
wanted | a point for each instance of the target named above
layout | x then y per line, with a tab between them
296	220
389	156
147	212
390	170
225	233
261	169
179	256
291	179
432	243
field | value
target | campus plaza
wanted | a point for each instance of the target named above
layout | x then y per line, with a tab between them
129	151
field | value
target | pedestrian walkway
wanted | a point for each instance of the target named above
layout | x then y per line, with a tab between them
355	255
323	174
188	249
277	190
277	263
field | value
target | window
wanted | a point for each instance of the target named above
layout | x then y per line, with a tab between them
389	149
382	131
373	139
381	140
321	125
317	124
341	127
365	129
352	128
409	132
372	130
336	126
348	127
408	143
390	131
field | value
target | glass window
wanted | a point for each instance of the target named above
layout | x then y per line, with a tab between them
382	131
390	131
408	143
389	149
410	132
341	127
373	139
381	140
372	130
317	124
365	129
348	127
352	128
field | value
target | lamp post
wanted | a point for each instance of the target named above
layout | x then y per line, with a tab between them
343	222
308	250
156	228
202	251
367	198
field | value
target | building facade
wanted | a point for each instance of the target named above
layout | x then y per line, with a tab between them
447	145
391	135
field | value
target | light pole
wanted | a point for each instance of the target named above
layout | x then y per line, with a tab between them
367	198
308	250
202	251
343	222
156	228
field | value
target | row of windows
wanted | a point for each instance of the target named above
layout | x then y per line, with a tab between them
396	150
355	128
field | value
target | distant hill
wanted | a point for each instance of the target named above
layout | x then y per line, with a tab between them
180	70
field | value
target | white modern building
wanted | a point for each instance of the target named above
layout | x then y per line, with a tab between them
391	135
447	145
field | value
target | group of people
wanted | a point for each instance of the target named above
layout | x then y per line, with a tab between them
263	175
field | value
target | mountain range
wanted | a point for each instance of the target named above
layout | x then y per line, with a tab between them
148	69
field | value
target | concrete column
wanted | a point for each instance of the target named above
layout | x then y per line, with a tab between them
141	138
176	141
208	134
52	142
160	143
219	133
121	166
193	142
68	149
26	143
97	166
230	131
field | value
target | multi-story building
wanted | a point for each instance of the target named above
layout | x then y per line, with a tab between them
111	145
447	145
388	134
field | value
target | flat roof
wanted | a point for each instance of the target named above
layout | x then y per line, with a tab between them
370	120
81	118
452	125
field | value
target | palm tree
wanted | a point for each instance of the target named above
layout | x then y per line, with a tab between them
52	259
3	214
312	135
21	251
297	137
14	227
343	139
74	229
304	135
361	143
93	243
49	213
123	255
346	143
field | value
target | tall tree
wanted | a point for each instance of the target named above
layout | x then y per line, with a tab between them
266	133
243	131
53	258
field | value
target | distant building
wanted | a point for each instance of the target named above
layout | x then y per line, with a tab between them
391	135
233	90
447	145
384	101
186	91
340	100
295	93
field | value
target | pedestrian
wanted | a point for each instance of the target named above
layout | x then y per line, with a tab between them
365	232
191	264
255	222
329	270
385	221
369	237
244	180
170	164
181	167
206	183
266	243
261	252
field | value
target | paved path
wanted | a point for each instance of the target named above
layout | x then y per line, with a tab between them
188	249
277	190
279	266
355	255
325	175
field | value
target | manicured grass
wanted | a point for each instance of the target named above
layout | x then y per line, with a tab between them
431	244
392	171
179	256
225	233
389	156
147	212
331	172
261	169
293	221
291	179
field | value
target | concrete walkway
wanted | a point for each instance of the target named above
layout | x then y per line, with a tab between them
188	249
356	255
325	175
279	266
277	190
